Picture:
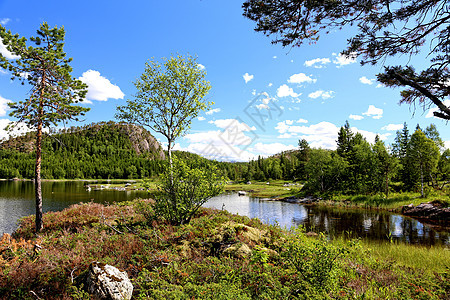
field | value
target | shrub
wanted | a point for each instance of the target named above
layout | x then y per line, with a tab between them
184	189
314	259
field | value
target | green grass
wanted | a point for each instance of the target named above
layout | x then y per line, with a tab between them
275	188
434	259
394	202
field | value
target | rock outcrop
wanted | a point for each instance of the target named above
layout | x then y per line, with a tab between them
429	211
306	200
107	282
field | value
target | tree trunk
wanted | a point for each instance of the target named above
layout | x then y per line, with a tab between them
421	183
37	180
169	153
387	184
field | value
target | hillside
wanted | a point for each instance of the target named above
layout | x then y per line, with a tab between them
99	150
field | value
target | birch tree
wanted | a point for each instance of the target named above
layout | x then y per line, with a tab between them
170	94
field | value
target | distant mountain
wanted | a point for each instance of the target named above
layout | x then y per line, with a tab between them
99	150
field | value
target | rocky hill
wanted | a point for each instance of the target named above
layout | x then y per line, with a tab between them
141	140
98	150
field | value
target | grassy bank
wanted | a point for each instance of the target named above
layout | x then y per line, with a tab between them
216	256
394	202
267	189
280	189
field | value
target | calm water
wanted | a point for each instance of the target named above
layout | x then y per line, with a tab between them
17	200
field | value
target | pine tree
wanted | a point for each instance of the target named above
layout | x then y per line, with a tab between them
46	69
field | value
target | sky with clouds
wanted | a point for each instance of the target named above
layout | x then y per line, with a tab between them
266	97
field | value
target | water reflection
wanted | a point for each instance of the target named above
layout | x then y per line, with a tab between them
17	200
373	225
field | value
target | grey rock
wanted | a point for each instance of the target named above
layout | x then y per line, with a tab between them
427	211
108	282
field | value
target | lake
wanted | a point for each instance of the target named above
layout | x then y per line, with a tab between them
17	200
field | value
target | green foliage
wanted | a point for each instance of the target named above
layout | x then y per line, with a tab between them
169	95
183	190
315	260
326	170
423	154
53	89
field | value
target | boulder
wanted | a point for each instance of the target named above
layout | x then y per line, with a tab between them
107	282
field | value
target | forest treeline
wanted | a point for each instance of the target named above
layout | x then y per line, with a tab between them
414	162
112	150
99	150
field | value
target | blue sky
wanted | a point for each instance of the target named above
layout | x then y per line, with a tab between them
266	97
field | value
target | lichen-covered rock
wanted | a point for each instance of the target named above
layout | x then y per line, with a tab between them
107	282
184	249
239	250
270	252
250	234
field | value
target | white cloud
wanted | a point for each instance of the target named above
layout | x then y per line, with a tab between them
18	130
270	149
323	94
201	67
274	57
262	106
301	121
247	77
365	80
341	60
220	152
447	144
285	90
3	133
374	112
4	21
227	123
317	63
270	84
300	78
370	136
356	117
265	101
379	86
5	52
432	110
321	135
392	127
100	88
210	112
201	118
284	136
289	122
228	144
4	106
